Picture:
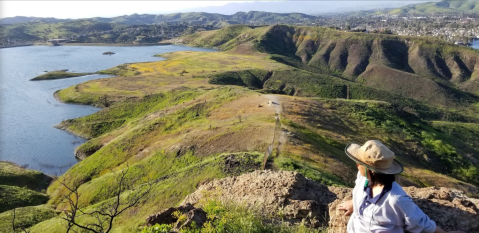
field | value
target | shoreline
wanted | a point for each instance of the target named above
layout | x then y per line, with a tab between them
14	46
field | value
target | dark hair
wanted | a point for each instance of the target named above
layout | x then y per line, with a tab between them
381	179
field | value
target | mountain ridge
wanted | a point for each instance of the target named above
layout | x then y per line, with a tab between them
447	70
136	19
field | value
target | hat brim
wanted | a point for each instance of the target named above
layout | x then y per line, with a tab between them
352	150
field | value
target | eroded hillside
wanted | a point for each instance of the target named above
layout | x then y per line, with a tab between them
425	69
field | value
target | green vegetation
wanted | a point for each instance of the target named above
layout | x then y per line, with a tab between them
174	123
25	217
227	217
12	197
58	75
287	163
405	66
21	187
13	175
173	178
115	116
442	149
142	134
249	78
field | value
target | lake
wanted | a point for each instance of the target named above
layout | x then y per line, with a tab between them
475	44
28	110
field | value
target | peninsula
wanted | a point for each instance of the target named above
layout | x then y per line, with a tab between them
58	74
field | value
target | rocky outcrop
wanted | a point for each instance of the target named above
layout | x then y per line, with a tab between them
168	216
299	198
269	192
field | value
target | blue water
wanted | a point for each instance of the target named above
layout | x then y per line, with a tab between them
28	110
475	44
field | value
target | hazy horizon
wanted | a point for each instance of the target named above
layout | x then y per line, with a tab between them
89	9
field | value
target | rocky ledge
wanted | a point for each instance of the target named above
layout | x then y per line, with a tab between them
301	199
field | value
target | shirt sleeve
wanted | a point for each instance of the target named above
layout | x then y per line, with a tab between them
415	220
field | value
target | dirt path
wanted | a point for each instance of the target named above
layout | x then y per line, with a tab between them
274	101
280	134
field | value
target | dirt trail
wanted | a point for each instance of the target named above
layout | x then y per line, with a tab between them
281	138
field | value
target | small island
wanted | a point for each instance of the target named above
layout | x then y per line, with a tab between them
58	74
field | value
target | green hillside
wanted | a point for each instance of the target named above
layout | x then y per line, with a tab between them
445	6
174	124
424	69
22	189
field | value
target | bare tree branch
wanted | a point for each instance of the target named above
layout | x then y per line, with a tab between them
13	221
106	213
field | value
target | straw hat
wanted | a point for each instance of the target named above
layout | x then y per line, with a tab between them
375	156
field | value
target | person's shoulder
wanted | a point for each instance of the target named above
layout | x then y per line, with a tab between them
398	195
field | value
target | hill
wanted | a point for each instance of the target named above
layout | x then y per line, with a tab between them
444	6
24	19
424	69
21	188
300	94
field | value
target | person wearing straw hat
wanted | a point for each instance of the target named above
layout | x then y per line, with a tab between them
379	204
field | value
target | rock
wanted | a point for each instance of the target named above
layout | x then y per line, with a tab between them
270	192
167	217
449	208
163	217
195	215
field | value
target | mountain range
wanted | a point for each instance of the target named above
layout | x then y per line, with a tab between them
200	17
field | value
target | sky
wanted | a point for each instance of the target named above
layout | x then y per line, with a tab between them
87	9
91	8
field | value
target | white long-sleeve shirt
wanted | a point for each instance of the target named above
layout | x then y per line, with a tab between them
393	213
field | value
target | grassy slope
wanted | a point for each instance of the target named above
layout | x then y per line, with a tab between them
136	80
177	130
21	187
13	196
446	71
12	174
25	217
314	148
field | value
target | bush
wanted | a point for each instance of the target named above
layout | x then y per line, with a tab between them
228	217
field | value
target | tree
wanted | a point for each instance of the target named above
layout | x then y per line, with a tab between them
104	100
106	213
18	227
